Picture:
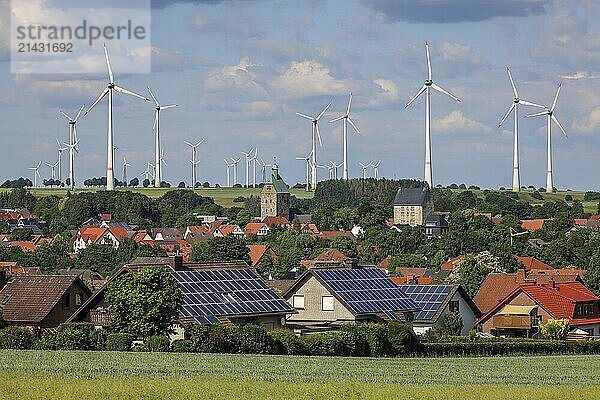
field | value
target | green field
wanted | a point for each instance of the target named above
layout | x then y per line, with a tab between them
106	375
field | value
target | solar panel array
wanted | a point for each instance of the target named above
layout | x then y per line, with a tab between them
366	290
428	297
208	294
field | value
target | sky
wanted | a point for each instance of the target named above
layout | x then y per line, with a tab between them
240	70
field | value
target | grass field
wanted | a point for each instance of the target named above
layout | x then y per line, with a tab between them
105	375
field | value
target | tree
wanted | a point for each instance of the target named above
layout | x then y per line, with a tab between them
243	218
284	262
228	248
146	183
135	182
453	323
555	329
592	275
346	245
98	257
181	185
22	234
407	261
471	271
144	303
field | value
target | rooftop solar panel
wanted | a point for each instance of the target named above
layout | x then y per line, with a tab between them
429	298
366	290
233	292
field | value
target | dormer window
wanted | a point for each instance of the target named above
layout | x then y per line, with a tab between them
585	309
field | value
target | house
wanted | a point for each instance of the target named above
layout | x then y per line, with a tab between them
167	233
436	225
195	234
142	236
330	235
42	301
522	311
309	229
275	196
497	286
436	301
106	236
272	221
532	225
302	219
12	268
532	263
260	254
326	298
256	228
231	229
23	245
412	206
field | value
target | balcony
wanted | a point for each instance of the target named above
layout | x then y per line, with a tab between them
513	321
100	317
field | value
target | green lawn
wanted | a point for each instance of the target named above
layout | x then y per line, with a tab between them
93	375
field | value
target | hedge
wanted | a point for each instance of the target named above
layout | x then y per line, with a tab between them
118	342
285	341
510	347
183	346
155	344
16	337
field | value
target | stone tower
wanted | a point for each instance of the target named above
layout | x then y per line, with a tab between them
275	196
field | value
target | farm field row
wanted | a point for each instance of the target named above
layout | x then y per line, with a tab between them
87	375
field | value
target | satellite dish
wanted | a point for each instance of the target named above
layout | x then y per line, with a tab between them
283	321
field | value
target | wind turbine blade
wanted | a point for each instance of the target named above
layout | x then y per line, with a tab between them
512	83
168	106
439	89
58	143
338	118
188	143
110	72
75	134
153	98
349	104
323	112
416	95
200	142
559	125
537	114
319	135
104	93
354	126
555	98
66	116
304	115
79	113
39	163
428	61
529	103
512	106
50	165
129	92
155	120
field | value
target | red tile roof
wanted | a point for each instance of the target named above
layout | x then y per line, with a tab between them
411	280
532	225
256	251
533	263
449	265
384	263
333	234
276	221
25	246
253	228
331	254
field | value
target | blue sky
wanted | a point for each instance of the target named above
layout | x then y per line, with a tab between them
241	69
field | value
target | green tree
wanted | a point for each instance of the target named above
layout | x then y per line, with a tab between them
98	257
243	218
346	245
284	262
345	218
471	271
453	323
228	248
407	261
144	303
22	234
555	329
592	275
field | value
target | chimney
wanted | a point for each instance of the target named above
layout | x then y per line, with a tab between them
553	283
176	263
521	276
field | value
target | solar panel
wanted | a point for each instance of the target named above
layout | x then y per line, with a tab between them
366	290
429	298
211	293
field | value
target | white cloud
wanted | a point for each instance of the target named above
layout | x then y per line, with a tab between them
307	78
456	122
387	93
579	75
239	77
588	123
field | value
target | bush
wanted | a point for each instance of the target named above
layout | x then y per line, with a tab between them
453	323
119	342
71	339
496	347
253	339
157	344
555	329
98	339
45	342
285	341
402	338
183	346
356	343
216	338
376	336
314	344
16	337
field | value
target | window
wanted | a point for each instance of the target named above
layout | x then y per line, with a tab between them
298	301
584	309
589	331
66	300
6	298
229	298
78	299
327	303
453	306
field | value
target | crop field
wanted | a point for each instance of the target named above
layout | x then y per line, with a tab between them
106	375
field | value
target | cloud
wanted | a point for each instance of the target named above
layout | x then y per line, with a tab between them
456	122
450	11
240	77
167	3
387	93
579	75
307	78
448	59
589	123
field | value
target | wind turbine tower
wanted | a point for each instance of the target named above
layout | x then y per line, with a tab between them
156	128
36	173
429	84
315	135
346	118
194	161
72	145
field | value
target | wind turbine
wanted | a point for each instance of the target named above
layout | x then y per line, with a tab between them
315	135
60	150
331	169
549	113
36	173
264	169
427	86
163	162
335	168
108	90
307	161
156	128
365	167
346	118
125	165
72	146
235	169
254	161
516	183
193	160
52	169
147	174
228	166
248	156
376	169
